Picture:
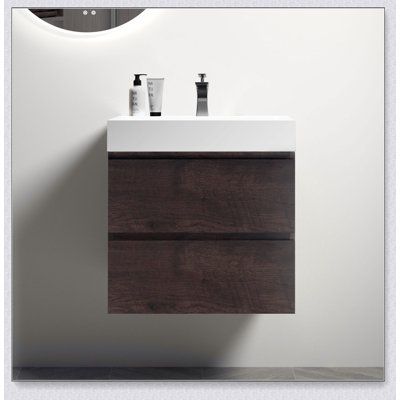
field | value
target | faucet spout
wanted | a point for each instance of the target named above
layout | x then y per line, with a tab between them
202	92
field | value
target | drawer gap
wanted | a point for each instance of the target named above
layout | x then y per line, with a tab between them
200	236
122	155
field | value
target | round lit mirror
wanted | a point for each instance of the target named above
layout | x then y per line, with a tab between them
86	19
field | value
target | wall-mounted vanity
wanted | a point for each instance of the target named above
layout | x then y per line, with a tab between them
201	215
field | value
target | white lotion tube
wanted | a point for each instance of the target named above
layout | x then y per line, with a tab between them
155	88
139	98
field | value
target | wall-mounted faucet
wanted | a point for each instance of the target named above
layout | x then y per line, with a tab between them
202	89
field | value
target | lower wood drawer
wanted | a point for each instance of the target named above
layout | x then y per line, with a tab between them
185	276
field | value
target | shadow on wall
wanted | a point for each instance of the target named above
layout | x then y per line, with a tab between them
60	287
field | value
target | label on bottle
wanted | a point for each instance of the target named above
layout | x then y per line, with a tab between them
139	105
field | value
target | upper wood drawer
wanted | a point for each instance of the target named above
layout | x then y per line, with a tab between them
193	196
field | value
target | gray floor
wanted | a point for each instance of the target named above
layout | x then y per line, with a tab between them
194	374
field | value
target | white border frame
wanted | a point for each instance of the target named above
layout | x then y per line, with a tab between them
220	390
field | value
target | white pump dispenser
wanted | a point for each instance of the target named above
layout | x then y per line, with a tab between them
139	98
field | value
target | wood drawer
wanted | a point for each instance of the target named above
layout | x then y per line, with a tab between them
220	276
180	197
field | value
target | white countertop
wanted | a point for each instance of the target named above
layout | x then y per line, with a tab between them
190	133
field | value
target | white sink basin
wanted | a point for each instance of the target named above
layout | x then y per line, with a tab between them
256	133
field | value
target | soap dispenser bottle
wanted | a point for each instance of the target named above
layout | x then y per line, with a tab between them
138	98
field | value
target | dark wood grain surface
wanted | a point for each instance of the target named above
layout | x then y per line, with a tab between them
193	196
201	232
221	276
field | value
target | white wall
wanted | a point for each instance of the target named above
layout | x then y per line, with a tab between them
323	67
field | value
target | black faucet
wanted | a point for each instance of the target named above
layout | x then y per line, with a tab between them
202	89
